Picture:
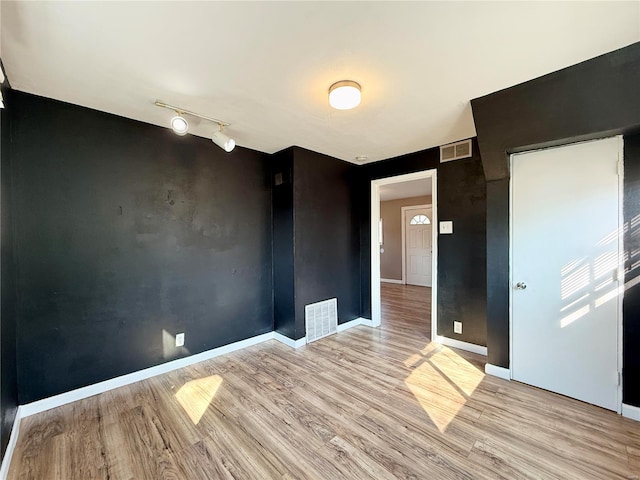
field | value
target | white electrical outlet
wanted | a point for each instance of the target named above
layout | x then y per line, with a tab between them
179	339
457	327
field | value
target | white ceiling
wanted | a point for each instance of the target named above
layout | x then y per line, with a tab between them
413	188
265	67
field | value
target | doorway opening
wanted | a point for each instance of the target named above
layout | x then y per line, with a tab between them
404	248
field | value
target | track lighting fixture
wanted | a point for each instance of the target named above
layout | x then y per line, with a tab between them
180	126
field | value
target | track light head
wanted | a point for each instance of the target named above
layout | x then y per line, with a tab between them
179	125
223	141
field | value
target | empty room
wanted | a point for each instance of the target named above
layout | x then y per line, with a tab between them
319	240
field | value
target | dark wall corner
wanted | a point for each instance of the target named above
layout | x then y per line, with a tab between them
631	301
593	99
462	257
8	296
327	235
281	177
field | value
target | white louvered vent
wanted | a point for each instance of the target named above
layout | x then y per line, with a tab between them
321	319
455	151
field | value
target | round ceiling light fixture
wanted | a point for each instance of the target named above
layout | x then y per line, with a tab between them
344	95
179	125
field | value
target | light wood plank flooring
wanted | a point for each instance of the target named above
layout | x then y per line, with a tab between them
364	404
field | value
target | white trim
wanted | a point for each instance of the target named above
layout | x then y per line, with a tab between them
621	288
347	325
367	322
354	323
510	309
499	372
375	244
469	347
11	446
301	342
629	411
620	405
101	387
375	254
434	253
391	280
403	227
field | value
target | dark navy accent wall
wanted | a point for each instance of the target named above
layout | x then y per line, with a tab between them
327	235
8	298
497	261
284	315
631	301
461	197
316	237
127	235
594	99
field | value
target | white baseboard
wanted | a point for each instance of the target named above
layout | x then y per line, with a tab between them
11	446
499	372
347	325
391	280
366	321
289	341
101	387
469	347
629	411
354	323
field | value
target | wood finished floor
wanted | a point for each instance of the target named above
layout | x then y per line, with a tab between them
364	404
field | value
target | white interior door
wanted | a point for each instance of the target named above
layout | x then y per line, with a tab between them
565	259
418	249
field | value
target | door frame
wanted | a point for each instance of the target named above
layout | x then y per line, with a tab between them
621	285
403	211
375	243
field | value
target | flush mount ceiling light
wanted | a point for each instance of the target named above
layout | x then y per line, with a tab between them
180	125
344	95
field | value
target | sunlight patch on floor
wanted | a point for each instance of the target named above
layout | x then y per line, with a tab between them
442	384
196	396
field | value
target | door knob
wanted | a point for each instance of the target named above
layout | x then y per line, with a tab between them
521	286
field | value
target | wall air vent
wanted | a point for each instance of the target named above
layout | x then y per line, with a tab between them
321	319
455	151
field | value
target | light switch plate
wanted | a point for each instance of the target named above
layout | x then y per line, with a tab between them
457	327
446	227
179	339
